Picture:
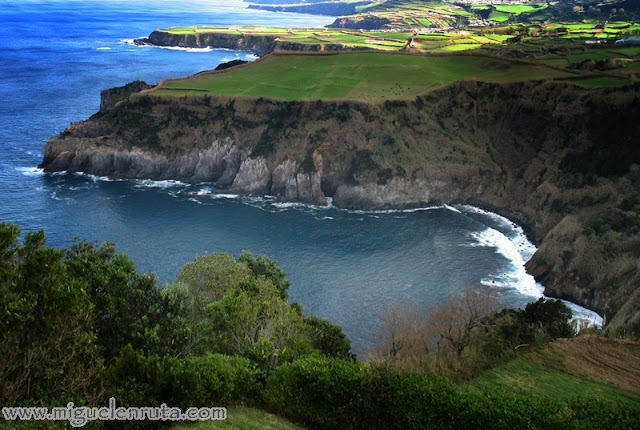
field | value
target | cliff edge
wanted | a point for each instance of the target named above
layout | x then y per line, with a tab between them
556	157
255	43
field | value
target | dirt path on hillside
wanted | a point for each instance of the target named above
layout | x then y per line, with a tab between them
616	361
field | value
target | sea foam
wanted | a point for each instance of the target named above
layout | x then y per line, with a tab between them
148	183
30	171
518	250
516	276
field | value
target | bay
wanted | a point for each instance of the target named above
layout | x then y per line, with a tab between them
347	266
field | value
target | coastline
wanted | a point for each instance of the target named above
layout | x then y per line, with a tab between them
518	241
287	164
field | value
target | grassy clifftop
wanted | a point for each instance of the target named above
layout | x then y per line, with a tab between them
390	130
371	77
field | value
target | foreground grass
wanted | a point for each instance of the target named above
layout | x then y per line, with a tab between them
368	77
586	368
243	419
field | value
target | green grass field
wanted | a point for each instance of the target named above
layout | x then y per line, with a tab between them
369	77
520	8
497	16
240	418
584	367
524	376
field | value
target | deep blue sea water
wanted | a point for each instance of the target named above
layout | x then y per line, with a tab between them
56	57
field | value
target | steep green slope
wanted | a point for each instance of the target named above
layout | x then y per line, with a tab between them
587	367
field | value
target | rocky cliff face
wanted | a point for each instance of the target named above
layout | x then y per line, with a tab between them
559	158
259	44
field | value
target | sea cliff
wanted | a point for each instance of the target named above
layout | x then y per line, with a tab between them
256	43
558	158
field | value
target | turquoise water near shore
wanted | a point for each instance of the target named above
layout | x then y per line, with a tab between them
345	265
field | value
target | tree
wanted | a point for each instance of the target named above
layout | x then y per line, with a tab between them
552	316
328	337
130	308
455	322
240	307
402	331
266	267
539	322
210	277
46	324
254	321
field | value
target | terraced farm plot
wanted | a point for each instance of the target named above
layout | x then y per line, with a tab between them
497	16
520	8
369	77
457	47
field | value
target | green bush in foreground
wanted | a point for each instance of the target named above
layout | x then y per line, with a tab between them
330	393
211	380
323	392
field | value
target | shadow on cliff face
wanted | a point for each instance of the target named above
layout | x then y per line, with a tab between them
558	157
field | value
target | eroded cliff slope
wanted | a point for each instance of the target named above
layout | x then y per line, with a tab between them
556	157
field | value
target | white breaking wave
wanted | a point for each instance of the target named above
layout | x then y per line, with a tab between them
30	171
94	178
518	250
519	239
103	48
148	183
516	277
180	48
175	48
297	205
223	196
247	56
203	192
451	208
393	211
583	315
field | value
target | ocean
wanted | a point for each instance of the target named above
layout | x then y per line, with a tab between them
56	57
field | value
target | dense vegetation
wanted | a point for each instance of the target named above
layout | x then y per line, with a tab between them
82	325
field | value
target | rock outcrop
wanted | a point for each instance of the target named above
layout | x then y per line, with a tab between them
112	96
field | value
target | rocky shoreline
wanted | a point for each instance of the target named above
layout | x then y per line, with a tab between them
514	149
260	45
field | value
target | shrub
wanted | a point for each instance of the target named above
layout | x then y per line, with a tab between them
215	380
329	393
323	392
399	400
211	380
328	337
499	409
